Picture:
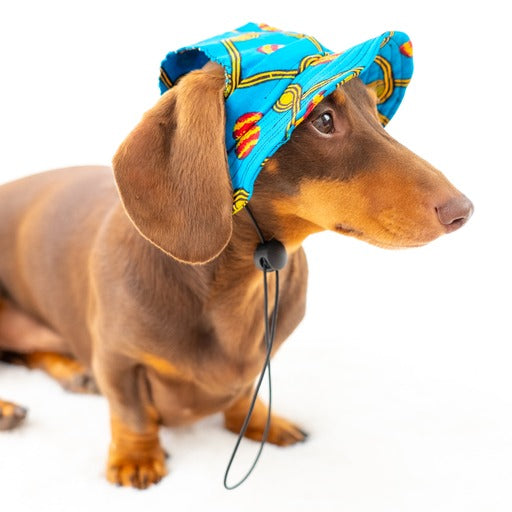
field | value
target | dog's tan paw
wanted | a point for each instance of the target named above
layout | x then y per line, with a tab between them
11	415
68	372
282	432
136	462
139	474
81	382
135	458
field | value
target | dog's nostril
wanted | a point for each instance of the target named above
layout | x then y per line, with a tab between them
455	213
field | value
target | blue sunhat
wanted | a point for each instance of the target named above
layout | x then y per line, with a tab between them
274	79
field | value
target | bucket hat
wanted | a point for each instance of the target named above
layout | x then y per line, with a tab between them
274	79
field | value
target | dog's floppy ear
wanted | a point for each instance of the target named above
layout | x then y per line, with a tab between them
172	170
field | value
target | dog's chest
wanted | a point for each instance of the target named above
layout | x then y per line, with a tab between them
222	352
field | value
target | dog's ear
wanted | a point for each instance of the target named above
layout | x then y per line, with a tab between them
172	170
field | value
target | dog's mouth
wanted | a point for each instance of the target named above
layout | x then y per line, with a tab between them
347	230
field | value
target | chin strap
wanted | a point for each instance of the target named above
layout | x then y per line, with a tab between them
270	256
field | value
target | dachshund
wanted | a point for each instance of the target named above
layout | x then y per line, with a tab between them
144	285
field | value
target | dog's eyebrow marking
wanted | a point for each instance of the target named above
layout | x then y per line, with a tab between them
373	93
339	97
271	165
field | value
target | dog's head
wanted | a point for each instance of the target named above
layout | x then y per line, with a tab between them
340	171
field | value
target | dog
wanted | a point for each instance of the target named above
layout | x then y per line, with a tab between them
144	284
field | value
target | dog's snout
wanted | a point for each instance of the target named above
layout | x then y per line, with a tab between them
455	212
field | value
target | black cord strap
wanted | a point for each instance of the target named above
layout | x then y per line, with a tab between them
269	339
258	230
270	330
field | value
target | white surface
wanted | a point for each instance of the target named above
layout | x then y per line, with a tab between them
401	370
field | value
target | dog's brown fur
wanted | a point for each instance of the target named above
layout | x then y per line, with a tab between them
158	293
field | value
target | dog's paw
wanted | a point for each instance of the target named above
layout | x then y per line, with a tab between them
139	474
81	382
281	432
68	372
136	472
11	415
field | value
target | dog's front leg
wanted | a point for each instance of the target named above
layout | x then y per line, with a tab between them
135	457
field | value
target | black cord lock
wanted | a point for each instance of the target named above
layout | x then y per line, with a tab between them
270	255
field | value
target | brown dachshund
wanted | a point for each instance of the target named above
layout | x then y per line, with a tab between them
150	286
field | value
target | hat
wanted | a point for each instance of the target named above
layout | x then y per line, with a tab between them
274	79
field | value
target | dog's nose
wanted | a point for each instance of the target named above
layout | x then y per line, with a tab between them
455	213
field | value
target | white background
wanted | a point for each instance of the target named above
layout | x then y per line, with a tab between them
401	369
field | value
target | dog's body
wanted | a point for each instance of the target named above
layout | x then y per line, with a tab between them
172	339
212	312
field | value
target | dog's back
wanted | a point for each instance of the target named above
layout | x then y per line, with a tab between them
59	210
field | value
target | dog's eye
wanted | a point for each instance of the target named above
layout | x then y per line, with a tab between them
324	123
